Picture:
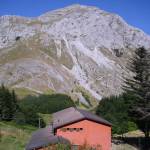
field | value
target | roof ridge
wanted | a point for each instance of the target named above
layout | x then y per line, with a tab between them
62	110
73	114
80	112
86	117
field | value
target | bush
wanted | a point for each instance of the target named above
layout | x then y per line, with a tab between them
85	146
31	106
10	110
58	147
27	110
115	109
46	104
20	118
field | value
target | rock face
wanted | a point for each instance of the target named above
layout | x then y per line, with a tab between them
66	48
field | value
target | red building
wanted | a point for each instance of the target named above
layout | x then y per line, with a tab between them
74	126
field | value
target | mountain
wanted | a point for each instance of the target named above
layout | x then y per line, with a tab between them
78	50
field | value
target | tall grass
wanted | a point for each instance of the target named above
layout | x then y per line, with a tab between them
14	137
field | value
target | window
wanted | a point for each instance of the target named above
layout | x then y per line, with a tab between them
64	129
77	129
72	129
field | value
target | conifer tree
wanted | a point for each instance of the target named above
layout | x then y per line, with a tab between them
139	85
8	103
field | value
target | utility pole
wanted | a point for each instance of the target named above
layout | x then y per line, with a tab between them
39	122
0	135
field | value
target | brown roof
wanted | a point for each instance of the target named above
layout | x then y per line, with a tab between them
44	137
71	115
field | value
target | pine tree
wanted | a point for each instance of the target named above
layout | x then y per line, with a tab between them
15	106
139	85
2	89
8	104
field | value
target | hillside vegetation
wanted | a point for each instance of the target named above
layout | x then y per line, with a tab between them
115	109
17	123
13	136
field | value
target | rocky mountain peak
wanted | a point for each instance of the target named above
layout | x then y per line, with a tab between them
75	50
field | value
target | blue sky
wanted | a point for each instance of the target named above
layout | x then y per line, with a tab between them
135	12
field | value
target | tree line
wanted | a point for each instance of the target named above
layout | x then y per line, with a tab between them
131	109
27	110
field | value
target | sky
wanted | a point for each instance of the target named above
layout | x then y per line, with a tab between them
134	12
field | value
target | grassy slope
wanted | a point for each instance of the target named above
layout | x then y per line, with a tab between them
14	137
88	97
23	92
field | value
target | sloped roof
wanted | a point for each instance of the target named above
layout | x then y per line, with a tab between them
44	137
71	115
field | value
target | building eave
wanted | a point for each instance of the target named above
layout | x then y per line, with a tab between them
75	121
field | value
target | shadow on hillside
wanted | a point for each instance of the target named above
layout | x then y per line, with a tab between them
139	142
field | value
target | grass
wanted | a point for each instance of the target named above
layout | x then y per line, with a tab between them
88	97
46	117
49	92
13	136
17	52
23	92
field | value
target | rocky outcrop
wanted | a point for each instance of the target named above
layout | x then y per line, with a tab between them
62	49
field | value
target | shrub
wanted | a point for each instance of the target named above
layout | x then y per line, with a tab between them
47	104
115	109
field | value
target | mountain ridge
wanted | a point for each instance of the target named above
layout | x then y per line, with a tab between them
77	47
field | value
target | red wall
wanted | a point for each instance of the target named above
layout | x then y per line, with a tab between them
93	134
